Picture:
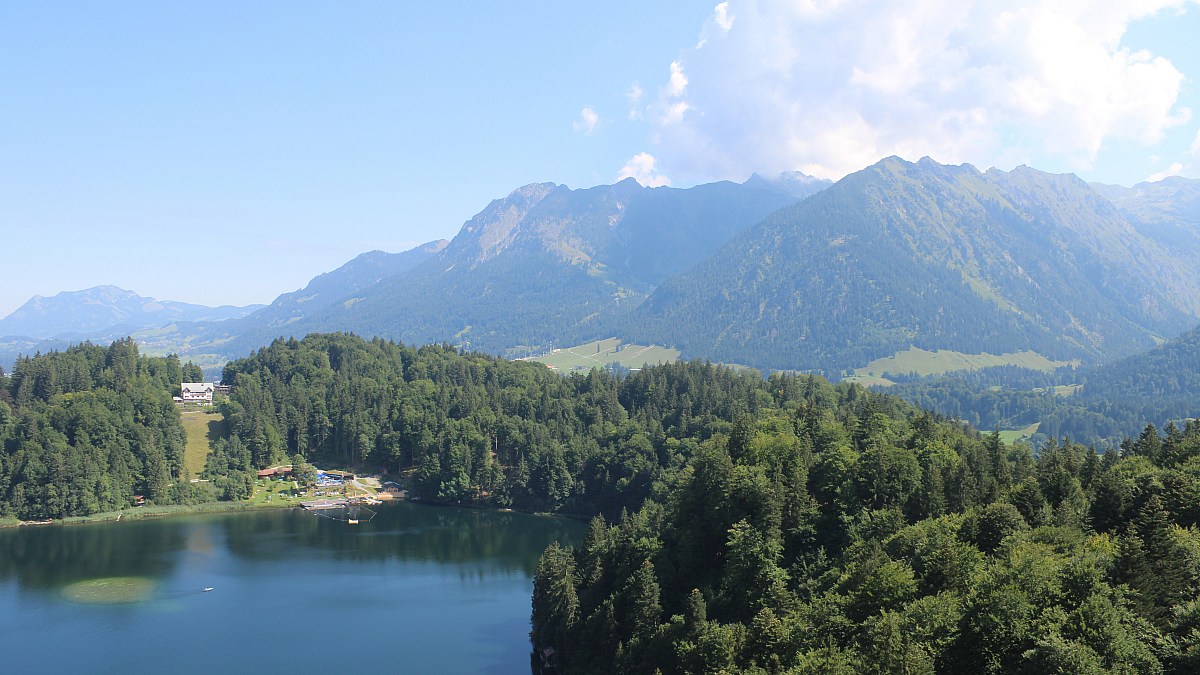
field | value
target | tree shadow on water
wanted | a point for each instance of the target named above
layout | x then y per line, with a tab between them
514	657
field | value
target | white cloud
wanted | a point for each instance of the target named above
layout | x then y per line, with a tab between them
722	17
588	119
1173	170
678	81
673	113
830	86
635	95
641	167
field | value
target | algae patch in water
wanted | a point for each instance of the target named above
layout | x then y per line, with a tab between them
110	590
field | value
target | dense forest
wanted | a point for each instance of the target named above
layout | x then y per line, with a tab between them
85	429
842	533
473	428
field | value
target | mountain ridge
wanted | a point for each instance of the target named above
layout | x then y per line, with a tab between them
106	309
921	254
777	273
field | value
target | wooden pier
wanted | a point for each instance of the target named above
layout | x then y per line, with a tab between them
318	504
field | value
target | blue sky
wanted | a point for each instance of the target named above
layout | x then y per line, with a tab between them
223	153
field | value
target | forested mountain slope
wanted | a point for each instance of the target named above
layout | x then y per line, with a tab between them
932	256
548	264
1159	387
545	265
325	290
1101	405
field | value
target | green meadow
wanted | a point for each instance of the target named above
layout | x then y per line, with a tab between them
600	353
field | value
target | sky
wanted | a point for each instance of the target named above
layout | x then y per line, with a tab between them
227	152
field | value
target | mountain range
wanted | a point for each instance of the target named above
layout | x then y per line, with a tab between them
776	273
932	256
106	310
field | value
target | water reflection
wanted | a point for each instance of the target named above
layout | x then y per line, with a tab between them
507	542
53	556
484	542
422	589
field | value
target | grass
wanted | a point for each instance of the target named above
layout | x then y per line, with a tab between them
922	362
869	380
1011	436
282	493
603	352
279	493
203	428
141	512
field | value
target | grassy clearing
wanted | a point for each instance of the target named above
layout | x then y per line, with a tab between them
276	493
284	493
603	352
203	428
941	361
869	380
1011	436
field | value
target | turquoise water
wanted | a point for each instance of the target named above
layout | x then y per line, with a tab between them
419	589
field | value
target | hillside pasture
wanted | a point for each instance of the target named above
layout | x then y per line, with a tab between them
1011	436
203	428
600	353
940	361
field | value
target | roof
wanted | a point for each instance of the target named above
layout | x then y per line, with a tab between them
197	387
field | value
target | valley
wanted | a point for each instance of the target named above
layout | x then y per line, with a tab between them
669	338
899	271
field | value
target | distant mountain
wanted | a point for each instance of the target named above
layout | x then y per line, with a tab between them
1167	211
543	265
793	183
332	287
938	257
788	272
214	343
105	310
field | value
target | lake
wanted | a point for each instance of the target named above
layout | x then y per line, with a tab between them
418	589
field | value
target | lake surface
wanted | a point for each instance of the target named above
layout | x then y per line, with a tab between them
419	589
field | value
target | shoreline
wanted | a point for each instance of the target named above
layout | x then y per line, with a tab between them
150	512
144	513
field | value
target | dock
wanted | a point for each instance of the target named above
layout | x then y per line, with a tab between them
319	504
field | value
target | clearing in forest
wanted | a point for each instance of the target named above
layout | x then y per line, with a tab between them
1011	436
203	428
939	361
600	353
